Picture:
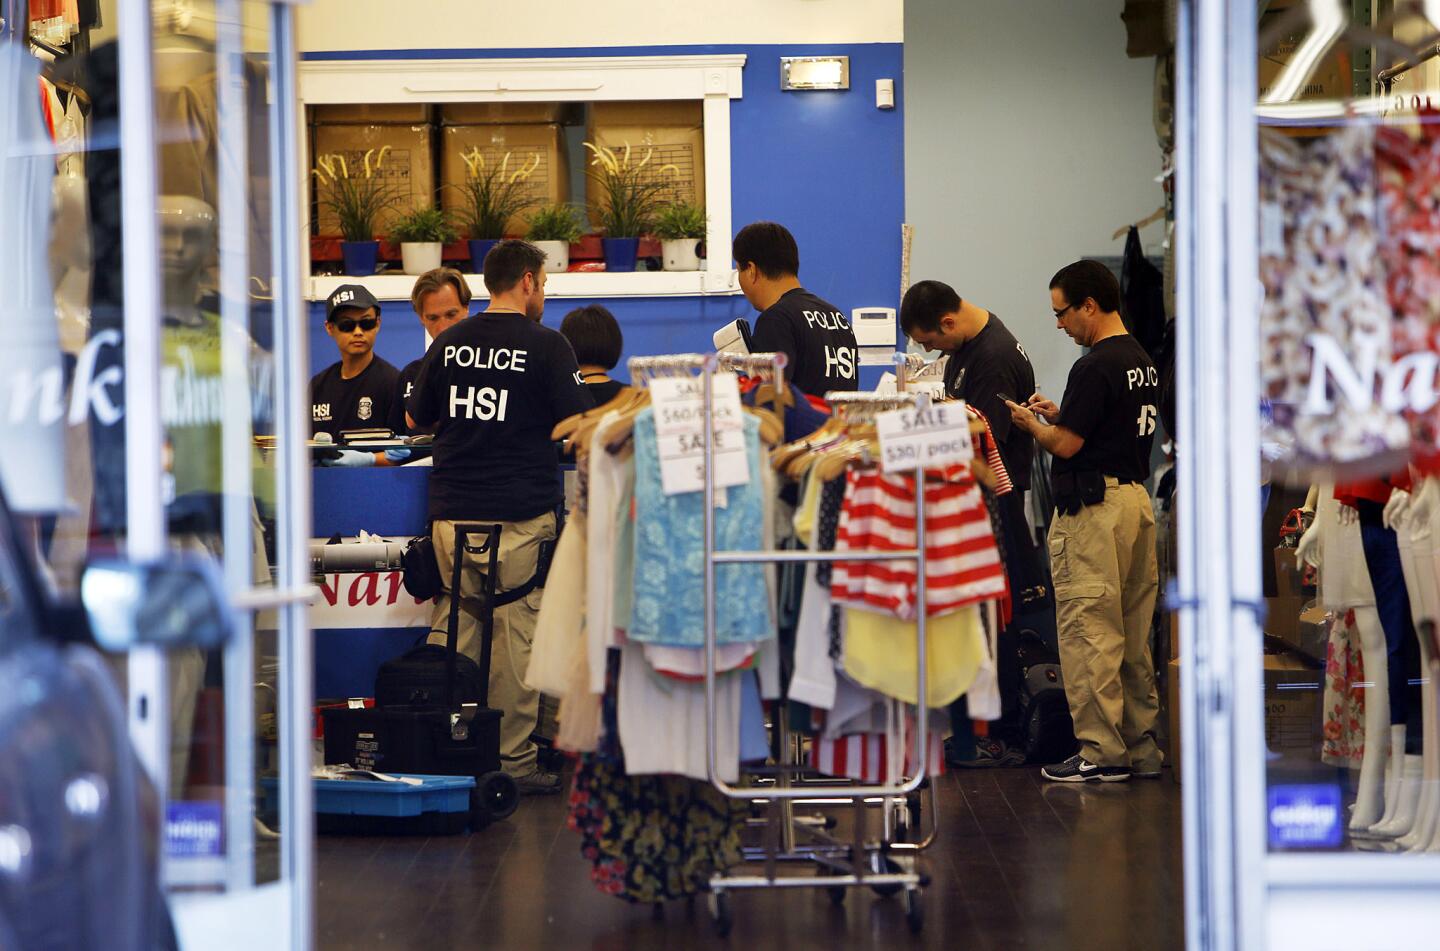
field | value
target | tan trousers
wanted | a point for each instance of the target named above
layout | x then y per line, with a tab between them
1103	561
514	625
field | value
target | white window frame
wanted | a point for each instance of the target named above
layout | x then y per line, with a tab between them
714	80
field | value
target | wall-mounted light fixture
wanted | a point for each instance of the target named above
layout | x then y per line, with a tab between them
814	72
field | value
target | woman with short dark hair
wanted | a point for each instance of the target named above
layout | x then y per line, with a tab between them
595	336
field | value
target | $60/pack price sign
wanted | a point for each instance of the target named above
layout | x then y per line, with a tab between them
936	436
679	424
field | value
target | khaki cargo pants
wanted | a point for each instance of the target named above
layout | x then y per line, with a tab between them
1103	562
514	624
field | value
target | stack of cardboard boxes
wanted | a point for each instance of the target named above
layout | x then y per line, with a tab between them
408	169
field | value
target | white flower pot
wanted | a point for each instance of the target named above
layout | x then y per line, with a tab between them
417	257
681	254
557	256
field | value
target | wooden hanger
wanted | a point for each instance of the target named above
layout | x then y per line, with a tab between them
1149	219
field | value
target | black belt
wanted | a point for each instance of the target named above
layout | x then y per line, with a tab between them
1120	481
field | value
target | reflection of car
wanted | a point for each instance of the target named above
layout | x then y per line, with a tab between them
79	818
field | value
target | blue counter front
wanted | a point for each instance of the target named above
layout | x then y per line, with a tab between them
384	501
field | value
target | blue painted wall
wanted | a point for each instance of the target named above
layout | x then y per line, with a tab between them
828	165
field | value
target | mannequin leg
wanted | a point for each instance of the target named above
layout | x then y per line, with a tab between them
1370	800
1427	812
1394	775
1403	808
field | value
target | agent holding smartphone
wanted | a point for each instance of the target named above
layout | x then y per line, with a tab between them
357	391
1102	541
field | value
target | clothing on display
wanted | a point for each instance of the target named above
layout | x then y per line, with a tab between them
625	596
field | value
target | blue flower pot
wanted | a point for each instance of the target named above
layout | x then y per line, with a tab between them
479	247
361	257
620	253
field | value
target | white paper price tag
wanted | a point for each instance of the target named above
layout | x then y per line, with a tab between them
679	425
934	437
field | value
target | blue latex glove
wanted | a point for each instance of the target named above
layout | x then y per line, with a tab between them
397	457
350	459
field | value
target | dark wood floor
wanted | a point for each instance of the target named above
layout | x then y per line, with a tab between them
1018	864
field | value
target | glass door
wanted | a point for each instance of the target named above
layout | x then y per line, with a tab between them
158	381
1308	153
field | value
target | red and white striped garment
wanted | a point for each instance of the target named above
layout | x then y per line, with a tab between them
963	565
862	756
992	455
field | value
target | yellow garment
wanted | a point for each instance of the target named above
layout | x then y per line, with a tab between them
881	652
808	509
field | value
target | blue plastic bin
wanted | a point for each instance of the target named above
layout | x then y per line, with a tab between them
440	805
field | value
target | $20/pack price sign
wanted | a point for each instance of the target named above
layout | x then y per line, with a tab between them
936	436
679	423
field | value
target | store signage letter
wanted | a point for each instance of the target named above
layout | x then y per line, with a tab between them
1408	384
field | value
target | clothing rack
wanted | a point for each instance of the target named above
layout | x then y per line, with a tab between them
839	865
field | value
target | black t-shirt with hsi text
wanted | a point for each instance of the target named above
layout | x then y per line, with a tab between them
403	389
362	402
494	386
1112	401
816	339
987	365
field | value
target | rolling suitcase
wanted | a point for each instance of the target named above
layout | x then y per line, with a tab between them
431	714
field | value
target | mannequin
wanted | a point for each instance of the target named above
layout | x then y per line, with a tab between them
1332	544
1420	516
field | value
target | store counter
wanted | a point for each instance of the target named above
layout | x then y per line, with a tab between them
365	618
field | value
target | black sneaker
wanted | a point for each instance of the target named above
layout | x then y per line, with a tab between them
1077	769
538	782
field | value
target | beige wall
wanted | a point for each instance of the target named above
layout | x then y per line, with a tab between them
490	24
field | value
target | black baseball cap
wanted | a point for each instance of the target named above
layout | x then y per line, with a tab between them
348	296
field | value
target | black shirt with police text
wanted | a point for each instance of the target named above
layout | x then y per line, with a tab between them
986	366
816	339
494	386
1112	402
362	402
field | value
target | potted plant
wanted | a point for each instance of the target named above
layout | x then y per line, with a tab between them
357	201
422	235
552	229
493	194
629	195
681	230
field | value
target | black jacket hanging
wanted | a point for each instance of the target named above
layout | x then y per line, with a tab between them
1142	289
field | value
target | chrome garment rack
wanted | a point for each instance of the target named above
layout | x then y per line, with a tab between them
887	866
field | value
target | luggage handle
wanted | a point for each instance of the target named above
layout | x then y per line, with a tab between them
487	624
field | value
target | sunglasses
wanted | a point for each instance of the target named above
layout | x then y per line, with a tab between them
347	324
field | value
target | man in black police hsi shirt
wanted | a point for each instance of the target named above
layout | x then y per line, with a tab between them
985	363
494	386
1102	542
441	299
356	392
814	336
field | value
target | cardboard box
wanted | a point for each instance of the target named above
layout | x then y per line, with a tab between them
675	130
385	113
549	183
501	113
408	167
1314	639
1294	698
1330	79
1282	618
1288	576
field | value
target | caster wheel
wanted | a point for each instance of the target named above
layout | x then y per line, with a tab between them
724	917
914	911
495	797
836	892
883	865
